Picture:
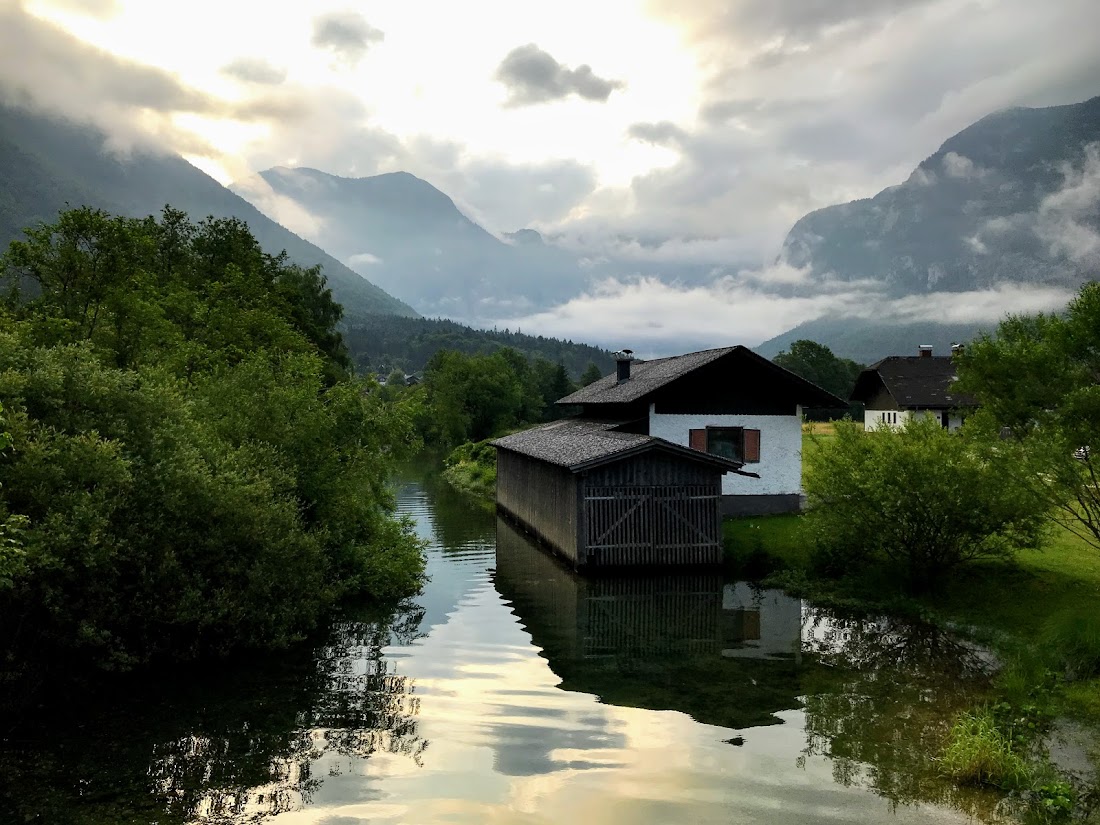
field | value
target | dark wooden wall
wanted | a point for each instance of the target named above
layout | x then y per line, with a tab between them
646	510
650	468
542	497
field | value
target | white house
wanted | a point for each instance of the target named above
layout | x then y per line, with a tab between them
730	402
905	387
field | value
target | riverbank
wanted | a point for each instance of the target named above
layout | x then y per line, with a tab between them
1037	613
471	468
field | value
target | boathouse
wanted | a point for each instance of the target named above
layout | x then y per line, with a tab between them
599	495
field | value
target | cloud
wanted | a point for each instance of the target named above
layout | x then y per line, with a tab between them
102	9
39	59
533	76
659	318
346	34
807	103
1068	218
255	70
43	67
962	167
363	259
280	208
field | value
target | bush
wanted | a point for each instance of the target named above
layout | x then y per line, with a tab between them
980	752
919	499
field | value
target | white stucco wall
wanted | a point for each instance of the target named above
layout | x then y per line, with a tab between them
780	465
873	419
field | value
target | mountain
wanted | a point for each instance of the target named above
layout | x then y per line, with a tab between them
1012	201
867	341
998	202
411	239
47	163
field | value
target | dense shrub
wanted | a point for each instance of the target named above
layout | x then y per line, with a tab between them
919	500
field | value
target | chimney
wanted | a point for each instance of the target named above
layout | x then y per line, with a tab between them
622	364
925	350
957	349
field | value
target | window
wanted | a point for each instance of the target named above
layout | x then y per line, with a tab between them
734	443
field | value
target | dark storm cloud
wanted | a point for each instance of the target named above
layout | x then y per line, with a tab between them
255	70
534	76
346	34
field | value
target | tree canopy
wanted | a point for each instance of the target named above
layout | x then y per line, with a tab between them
196	467
816	363
1038	378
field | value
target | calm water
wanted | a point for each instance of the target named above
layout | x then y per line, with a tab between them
512	691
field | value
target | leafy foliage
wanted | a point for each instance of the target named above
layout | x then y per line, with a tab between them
474	397
920	499
816	363
197	468
1039	378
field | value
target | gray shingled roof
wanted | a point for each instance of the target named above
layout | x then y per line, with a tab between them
577	443
645	376
913	381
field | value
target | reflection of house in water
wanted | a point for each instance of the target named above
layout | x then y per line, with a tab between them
760	623
726	654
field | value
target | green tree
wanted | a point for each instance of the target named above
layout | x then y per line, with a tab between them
1038	378
197	468
816	363
920	500
590	375
474	397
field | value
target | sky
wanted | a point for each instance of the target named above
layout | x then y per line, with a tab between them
696	131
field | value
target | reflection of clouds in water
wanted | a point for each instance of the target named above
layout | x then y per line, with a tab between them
509	746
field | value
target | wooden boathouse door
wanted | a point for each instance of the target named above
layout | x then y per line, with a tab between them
636	525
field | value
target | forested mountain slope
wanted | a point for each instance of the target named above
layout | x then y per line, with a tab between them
47	163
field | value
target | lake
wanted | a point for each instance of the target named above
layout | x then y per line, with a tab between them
512	691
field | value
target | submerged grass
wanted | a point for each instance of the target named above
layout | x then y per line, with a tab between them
981	752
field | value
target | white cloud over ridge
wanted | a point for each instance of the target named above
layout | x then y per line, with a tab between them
1064	216
657	318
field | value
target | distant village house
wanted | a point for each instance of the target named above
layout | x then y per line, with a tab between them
905	387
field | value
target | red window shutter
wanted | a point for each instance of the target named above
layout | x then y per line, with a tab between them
697	440
752	445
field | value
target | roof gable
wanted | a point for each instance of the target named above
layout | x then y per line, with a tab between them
647	377
913	381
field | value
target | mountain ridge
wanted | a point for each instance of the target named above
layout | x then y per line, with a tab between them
48	162
414	241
